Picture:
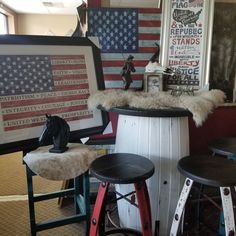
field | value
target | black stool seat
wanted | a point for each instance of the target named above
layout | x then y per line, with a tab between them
208	170
122	168
224	146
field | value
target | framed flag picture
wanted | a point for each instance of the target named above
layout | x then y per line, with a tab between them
52	75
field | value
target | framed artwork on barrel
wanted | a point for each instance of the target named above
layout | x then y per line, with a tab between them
153	82
47	75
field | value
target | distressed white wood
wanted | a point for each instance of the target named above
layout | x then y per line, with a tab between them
228	211
181	206
164	141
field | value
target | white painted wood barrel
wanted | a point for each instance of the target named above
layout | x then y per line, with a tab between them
164	140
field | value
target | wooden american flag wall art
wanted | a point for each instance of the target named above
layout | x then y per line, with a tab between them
121	32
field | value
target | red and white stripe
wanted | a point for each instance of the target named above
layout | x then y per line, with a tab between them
68	100
149	24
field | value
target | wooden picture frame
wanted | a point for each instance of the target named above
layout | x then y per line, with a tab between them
47	75
189	51
153	82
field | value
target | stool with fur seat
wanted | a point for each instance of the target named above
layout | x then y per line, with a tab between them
72	164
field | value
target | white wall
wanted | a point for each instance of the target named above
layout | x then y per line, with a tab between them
37	24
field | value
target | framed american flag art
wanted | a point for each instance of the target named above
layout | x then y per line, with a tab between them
47	75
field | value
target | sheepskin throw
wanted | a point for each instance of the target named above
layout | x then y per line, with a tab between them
60	166
200	105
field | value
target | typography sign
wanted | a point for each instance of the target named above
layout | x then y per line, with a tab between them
186	40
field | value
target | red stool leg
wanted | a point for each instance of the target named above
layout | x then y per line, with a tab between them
144	208
95	220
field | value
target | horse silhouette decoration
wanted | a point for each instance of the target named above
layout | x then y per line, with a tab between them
56	131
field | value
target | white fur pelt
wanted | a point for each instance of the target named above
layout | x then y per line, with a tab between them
60	166
200	105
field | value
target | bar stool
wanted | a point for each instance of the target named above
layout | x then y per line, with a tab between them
224	147
122	168
217	172
72	164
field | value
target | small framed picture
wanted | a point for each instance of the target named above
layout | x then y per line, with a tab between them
153	82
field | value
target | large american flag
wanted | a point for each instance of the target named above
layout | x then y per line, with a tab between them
31	86
122	32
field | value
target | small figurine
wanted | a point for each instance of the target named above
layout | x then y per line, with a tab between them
126	72
56	131
153	64
183	86
80	30
155	56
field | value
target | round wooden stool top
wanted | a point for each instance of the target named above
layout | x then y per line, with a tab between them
122	168
209	170
224	146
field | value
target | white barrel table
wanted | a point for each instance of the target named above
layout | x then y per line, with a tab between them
162	135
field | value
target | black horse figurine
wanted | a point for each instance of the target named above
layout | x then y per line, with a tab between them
56	131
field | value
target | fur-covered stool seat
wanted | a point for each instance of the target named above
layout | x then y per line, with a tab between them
72	164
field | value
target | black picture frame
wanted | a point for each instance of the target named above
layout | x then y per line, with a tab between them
86	123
